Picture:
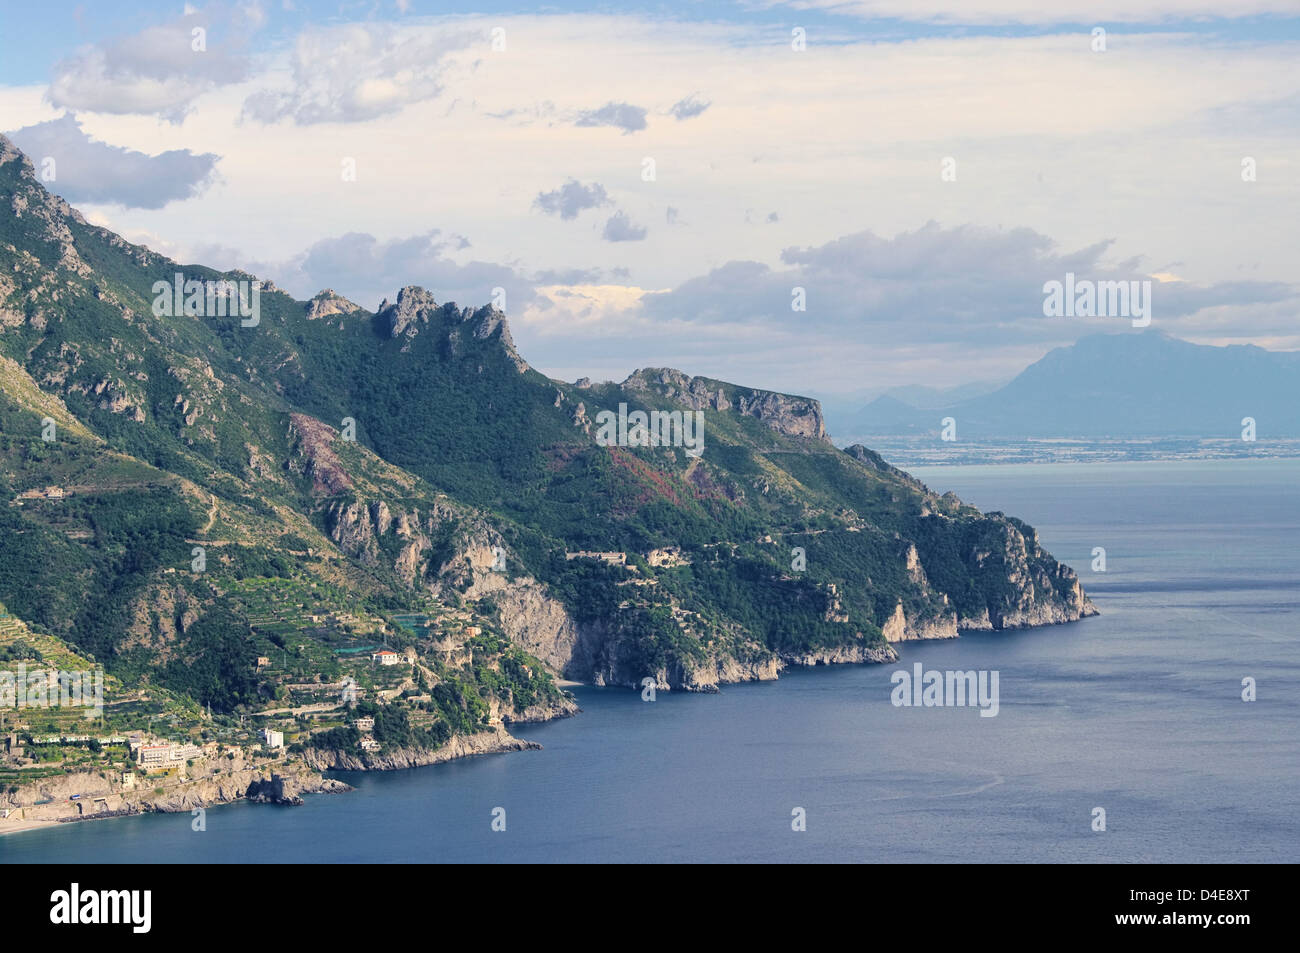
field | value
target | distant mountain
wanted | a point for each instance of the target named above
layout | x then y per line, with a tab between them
348	476
843	410
925	398
1141	384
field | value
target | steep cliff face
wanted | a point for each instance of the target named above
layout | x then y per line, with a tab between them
473	562
374	535
900	627
1039	590
534	620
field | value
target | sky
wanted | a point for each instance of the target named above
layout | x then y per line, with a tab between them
820	197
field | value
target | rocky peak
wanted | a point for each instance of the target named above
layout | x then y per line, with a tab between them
784	413
872	460
488	321
327	303
266	284
415	307
47	206
867	456
9	152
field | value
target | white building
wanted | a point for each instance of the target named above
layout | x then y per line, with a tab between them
385	657
272	739
185	751
164	753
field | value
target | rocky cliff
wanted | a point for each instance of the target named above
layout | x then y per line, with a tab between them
461	746
415	310
792	416
327	303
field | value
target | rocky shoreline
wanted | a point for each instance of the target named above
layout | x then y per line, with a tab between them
460	746
85	796
214	782
714	672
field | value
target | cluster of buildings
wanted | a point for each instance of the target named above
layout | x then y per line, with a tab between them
163	754
667	556
613	559
365	726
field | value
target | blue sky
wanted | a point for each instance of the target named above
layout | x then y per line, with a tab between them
33	43
365	146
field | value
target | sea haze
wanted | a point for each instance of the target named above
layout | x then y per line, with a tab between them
1138	711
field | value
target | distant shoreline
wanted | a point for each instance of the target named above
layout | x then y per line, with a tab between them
929	451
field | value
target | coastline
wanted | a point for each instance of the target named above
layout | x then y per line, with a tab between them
305	773
297	776
62	799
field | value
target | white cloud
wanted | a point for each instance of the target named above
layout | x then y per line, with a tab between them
966	285
571	198
87	170
366	269
358	72
623	116
160	70
1140	147
690	107
619	227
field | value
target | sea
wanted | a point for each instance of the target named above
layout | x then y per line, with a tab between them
1121	738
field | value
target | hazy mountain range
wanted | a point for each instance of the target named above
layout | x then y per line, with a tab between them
1139	384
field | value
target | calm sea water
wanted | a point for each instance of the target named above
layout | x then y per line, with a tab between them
1138	711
